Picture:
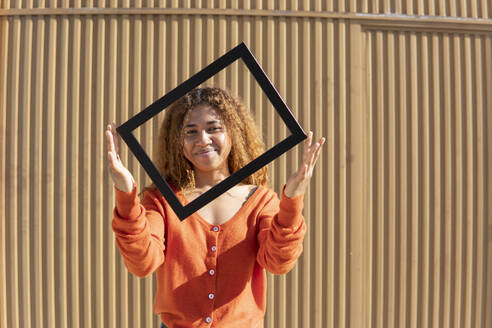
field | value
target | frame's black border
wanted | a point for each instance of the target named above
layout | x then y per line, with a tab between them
240	51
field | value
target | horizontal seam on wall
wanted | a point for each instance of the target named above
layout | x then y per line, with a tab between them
386	21
238	12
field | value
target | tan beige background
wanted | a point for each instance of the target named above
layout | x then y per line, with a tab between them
400	207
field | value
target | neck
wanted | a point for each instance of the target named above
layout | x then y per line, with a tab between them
208	179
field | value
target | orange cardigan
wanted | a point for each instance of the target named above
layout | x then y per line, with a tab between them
209	276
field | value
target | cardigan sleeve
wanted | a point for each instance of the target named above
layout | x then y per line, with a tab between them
139	231
281	232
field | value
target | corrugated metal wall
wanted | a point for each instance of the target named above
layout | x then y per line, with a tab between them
428	239
399	209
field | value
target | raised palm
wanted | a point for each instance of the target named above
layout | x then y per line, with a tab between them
122	178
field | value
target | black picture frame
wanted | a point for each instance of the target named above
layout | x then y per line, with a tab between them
242	52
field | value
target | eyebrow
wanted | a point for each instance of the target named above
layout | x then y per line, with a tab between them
193	125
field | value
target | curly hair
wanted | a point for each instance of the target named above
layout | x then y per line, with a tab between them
246	143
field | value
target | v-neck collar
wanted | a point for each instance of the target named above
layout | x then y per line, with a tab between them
243	208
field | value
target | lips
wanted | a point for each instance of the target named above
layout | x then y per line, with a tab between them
205	151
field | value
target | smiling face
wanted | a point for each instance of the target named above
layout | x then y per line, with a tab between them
206	142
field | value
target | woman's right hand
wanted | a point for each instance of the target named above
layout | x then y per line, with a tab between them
122	178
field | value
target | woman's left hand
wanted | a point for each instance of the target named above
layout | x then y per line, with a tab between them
297	183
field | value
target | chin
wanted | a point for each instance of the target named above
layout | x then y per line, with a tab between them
207	168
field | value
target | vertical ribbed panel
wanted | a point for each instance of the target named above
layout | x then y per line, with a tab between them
398	207
4	294
427	105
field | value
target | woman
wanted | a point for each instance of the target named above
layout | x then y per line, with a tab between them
210	268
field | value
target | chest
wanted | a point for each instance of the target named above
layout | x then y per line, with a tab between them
224	207
220	211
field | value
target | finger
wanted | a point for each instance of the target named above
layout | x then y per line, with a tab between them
111	160
314	148
305	154
115	138
311	154
307	146
309	138
316	154
109	138
311	151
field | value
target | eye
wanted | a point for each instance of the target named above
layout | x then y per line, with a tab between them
210	129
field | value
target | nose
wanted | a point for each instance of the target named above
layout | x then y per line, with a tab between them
203	138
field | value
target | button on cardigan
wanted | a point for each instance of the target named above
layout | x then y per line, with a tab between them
209	275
